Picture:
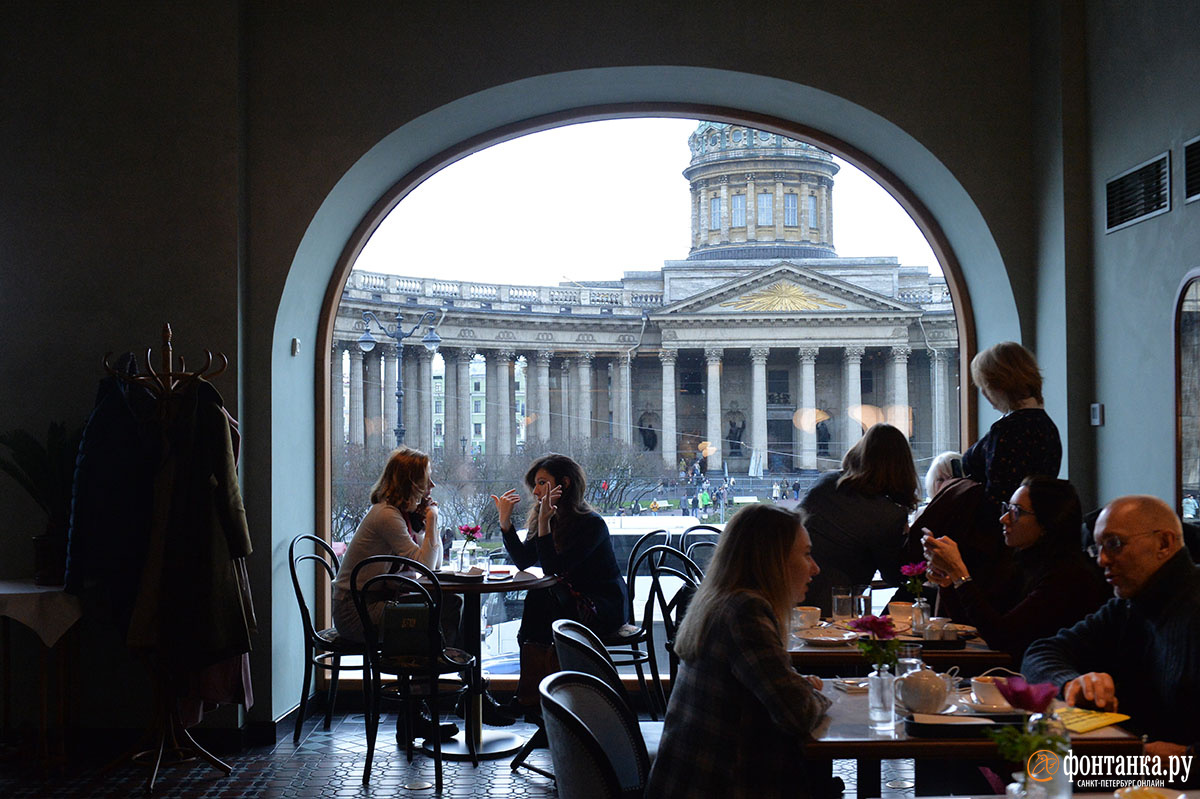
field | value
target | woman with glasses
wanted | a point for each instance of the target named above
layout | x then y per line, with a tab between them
1051	585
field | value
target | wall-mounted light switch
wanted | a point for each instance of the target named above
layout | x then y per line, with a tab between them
1097	414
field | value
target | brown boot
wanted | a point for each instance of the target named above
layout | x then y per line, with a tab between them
537	661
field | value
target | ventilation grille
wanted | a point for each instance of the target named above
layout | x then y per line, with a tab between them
1191	170
1139	193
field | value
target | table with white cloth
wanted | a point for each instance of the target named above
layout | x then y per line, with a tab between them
50	612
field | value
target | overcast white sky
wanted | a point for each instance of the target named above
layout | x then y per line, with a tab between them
588	202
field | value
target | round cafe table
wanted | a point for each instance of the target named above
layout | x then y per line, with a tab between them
490	744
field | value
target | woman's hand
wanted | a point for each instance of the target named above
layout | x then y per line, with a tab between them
504	506
431	518
546	509
943	556
814	680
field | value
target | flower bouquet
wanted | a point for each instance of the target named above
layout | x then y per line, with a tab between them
880	647
470	532
1039	744
466	555
915	585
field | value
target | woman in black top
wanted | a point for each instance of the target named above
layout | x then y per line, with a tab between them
568	539
858	516
1052	586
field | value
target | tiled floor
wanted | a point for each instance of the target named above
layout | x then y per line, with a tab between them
325	764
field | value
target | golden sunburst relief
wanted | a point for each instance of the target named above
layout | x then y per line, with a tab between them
781	296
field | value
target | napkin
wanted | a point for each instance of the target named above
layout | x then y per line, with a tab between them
930	718
851	685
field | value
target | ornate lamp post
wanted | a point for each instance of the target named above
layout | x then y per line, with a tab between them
463	443
431	340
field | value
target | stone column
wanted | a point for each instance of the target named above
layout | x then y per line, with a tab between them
491	402
509	365
624	414
542	368
356	396
758	401
939	394
899	414
411	368
560	425
604	411
450	429
669	436
807	357
751	208
391	366
852	381
504	412
778	205
424	397
463	400
725	209
372	399
337	397
712	413
583	370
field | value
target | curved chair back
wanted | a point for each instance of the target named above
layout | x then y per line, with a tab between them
595	743
701	552
668	562
652	538
391	582
327	562
579	649
696	533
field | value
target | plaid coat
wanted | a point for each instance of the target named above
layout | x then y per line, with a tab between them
738	714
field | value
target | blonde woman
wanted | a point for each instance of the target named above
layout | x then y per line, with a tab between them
739	713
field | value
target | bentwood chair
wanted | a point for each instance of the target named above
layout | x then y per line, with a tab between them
674	580
595	745
625	646
580	650
406	642
323	649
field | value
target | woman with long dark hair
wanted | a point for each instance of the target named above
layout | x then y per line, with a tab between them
858	516
568	539
1053	585
739	713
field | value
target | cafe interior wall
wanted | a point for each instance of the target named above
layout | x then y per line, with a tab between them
208	165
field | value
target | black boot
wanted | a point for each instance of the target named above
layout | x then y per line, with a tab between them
494	714
426	728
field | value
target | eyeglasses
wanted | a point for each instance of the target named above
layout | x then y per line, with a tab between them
1016	511
1113	545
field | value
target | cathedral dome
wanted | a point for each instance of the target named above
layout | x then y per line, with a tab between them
757	194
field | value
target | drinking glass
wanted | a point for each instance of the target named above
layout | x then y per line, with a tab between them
908	659
860	600
843	606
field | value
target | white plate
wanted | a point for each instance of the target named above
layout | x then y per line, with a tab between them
827	636
964	630
982	708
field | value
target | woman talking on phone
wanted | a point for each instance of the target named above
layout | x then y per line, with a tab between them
568	539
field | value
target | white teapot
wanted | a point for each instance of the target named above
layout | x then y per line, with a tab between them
922	691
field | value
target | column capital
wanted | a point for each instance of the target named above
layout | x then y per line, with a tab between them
901	353
338	345
356	354
668	356
760	354
585	358
424	355
388	350
854	353
939	355
449	354
506	355
713	354
543	357
808	354
624	358
466	354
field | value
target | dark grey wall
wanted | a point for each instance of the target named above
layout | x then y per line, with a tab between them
119	156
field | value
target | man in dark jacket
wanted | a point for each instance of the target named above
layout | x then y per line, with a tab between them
1138	653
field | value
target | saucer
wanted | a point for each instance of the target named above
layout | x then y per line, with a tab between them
826	636
979	707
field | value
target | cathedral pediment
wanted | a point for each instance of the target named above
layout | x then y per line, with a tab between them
786	290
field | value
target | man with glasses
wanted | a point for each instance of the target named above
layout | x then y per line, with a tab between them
1139	654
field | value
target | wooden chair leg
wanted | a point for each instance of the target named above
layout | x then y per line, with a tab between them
651	699
334	672
300	714
372	728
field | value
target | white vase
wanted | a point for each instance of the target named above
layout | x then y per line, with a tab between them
1048	723
1024	788
881	697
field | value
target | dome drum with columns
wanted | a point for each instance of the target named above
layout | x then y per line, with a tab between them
788	357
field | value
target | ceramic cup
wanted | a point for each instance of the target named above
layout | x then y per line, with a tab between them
985	692
900	611
805	617
937	629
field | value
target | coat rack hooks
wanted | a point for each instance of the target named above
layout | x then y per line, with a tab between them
166	380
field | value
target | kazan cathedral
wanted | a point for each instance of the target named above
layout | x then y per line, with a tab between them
763	350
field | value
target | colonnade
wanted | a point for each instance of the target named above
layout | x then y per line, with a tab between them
594	394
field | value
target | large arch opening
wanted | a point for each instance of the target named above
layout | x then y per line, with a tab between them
936	201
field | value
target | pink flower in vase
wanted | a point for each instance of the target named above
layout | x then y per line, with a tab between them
915	572
470	532
1032	697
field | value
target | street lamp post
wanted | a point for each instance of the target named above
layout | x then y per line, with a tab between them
463	443
431	340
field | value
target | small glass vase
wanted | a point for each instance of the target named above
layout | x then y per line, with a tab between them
920	616
1046	771
1024	788
881	697
466	556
